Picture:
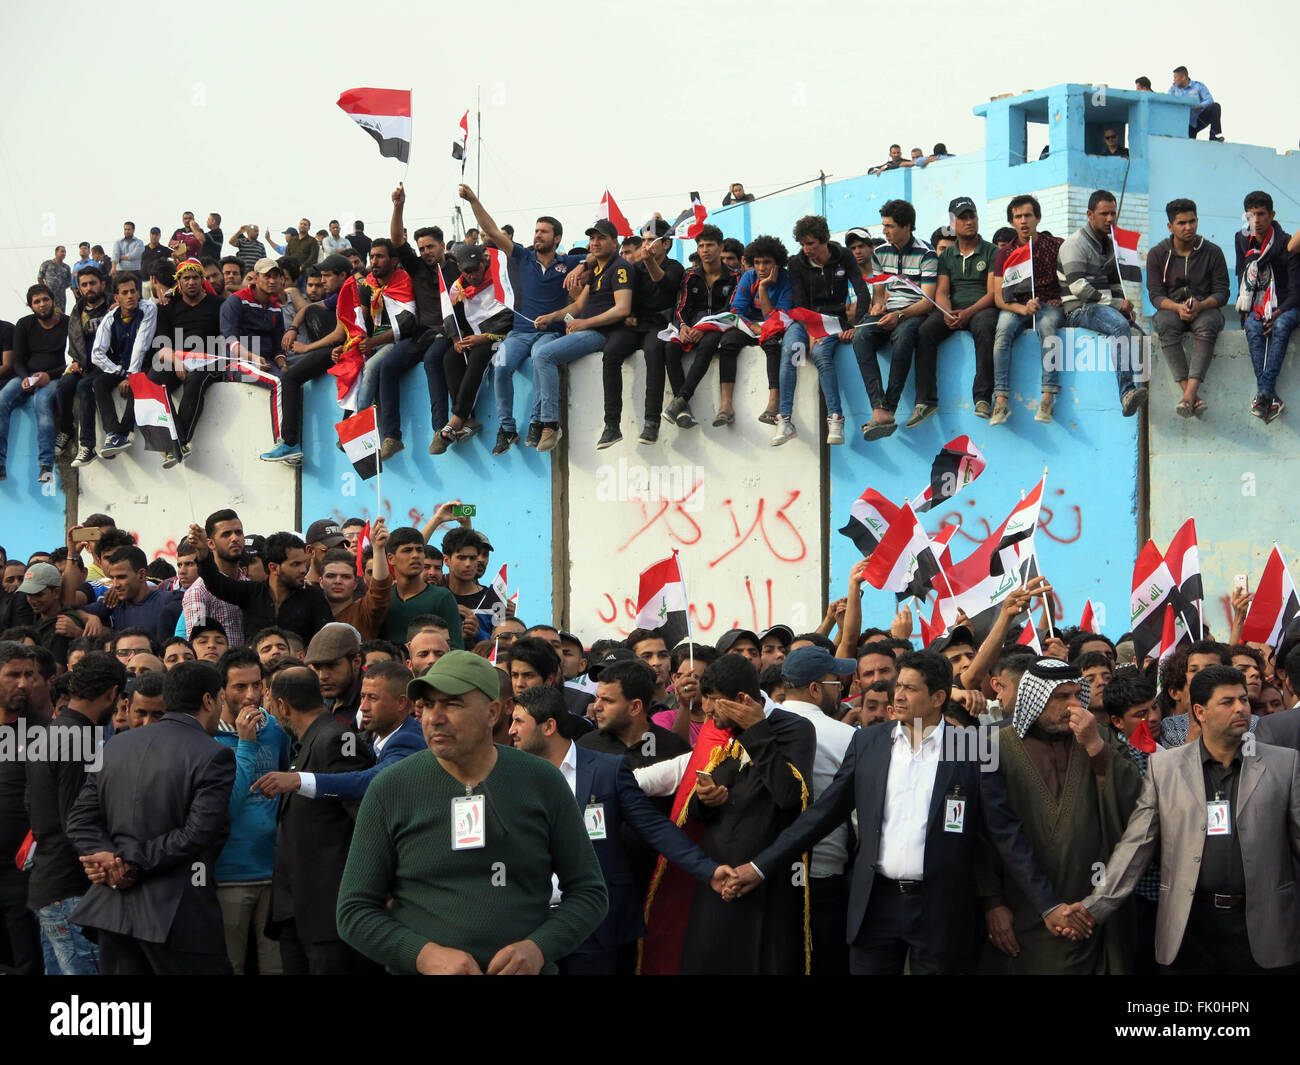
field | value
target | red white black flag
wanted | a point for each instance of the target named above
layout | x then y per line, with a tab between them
1275	604
608	209
461	141
661	601
153	416
386	115
359	436
687	225
1126	253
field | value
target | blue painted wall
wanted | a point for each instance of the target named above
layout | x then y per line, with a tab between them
32	514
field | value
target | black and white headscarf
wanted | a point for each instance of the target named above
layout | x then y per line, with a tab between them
1036	688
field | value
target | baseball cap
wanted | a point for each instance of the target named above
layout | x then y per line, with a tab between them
604	227
207	626
41	576
614	654
728	639
808	664
857	235
961	205
469	256
290	231
959	635
783	632
334	641
657	227
456	673
265	266
335	264
325	532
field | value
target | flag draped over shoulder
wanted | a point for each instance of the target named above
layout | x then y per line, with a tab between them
394	299
386	115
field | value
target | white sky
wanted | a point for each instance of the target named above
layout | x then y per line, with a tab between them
230	106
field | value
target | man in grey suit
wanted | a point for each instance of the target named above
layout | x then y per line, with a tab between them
1225	812
1283	729
149	827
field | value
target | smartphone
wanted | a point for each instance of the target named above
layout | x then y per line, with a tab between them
701	777
464	510
1240	583
86	534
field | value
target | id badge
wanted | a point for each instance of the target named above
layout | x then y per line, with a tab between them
1218	817
954	814
594	818
468	824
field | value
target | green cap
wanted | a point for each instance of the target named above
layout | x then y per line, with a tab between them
456	673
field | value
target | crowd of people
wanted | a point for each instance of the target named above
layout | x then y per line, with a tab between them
329	754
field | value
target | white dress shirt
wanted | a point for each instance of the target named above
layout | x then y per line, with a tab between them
569	770
907	804
833	738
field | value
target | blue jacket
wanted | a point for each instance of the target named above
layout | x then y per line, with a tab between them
408	739
249	853
607	779
744	301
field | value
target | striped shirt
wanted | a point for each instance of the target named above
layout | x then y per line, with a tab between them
199	606
915	261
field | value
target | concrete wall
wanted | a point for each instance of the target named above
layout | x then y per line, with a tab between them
31	514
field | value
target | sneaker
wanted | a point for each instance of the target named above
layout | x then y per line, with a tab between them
534	435
784	431
649	433
283	452
983	409
1259	405
835	428
609	437
877	430
61	443
85	456
170	459
186	449
46	475
505	438
922	411
675	406
1219	138
4	474
1132	400
440	442
1001	411
549	438
1275	409
685	419
1045	407
114	443
390	447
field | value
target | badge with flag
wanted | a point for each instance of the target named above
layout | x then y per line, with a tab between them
386	115
153	416
461	140
359	436
1275	605
608	210
687	225
661	601
1126	253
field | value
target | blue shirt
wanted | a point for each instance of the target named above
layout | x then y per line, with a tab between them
744	301
1193	88
541	291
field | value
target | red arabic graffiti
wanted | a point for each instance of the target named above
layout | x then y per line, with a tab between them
1045	517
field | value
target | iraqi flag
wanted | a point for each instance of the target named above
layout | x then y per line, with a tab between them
687	225
359	436
386	115
1018	267
1173	631
661	601
818	325
958	463
1275	604
505	278
461	140
904	560
352	316
1088	623
710	323
153	416
363	541
1126	253
1020	525
869	519
608	210
919	581
1153	590
1184	561
1029	638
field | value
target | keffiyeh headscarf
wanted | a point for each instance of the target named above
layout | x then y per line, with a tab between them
1036	688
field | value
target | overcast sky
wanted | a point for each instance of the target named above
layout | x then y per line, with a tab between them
145	112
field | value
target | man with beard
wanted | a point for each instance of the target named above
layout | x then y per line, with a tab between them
190	321
39	342
91	306
339	583
223	535
334	655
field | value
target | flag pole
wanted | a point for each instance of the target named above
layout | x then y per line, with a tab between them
478	145
1033	293
681	574
379	469
1047	602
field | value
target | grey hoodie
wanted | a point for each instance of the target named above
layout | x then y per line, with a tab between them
1203	273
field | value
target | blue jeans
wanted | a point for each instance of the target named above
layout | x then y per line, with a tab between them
13	395
369	386
823	357
1048	322
505	361
1267	352
1109	322
548	356
67	952
405	354
866	342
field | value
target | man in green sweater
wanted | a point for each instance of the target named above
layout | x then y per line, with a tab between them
463	840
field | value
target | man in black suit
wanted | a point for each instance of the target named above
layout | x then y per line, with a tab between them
923	815
314	834
149	827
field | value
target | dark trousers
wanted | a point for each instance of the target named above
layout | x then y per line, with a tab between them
685	384
618	962
829	899
621	343
464	372
890	937
121	955
656	371
311	365
866	342
1215	943
1144	957
192	389
729	349
934	331
1209	115
21	928
105	388
330	958
76	390
431	351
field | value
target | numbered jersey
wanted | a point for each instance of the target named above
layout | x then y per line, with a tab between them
604	282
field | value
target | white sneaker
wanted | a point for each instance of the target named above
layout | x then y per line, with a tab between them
835	429
785	431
